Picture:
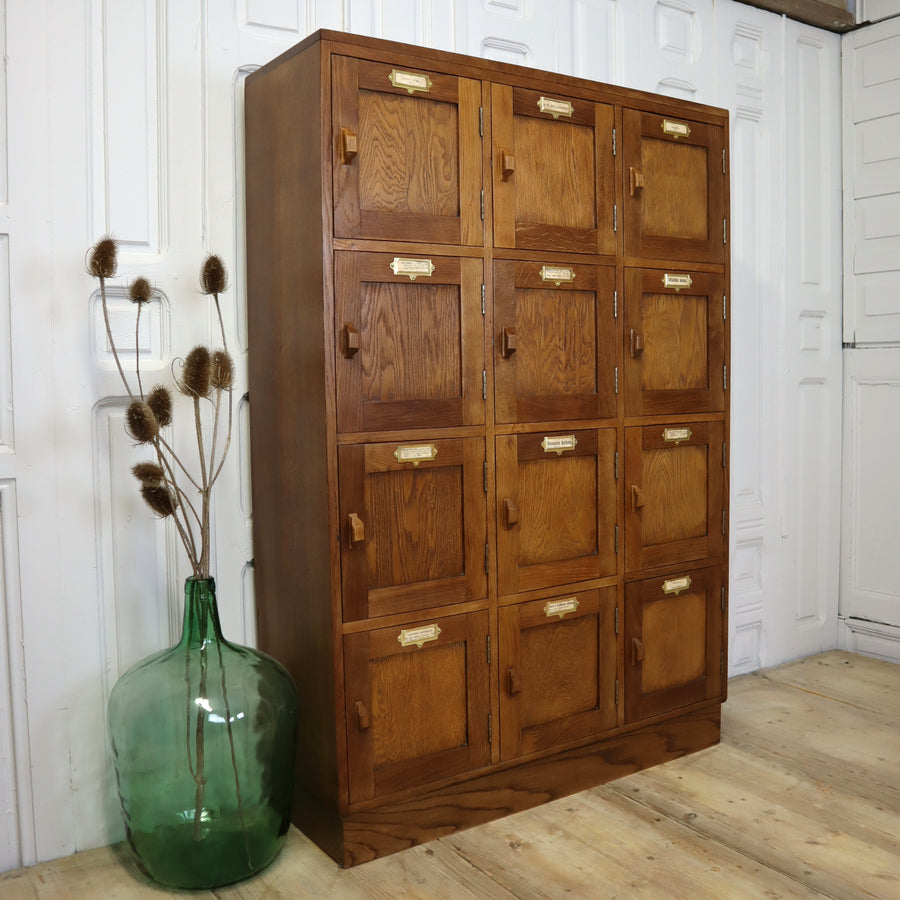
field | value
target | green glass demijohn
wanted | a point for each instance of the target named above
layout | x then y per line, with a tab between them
203	739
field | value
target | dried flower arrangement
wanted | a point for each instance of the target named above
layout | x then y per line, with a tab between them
205	375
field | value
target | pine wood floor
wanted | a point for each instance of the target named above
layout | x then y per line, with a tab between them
801	799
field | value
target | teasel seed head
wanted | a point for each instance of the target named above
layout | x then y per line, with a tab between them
149	474
222	371
142	424
213	275
101	260
139	290
160	401
159	498
197	372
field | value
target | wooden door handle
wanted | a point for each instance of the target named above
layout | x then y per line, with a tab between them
513	682
356	528
637	343
637	651
511	512
363	719
349	146
635	180
638	498
349	341
507	342
507	165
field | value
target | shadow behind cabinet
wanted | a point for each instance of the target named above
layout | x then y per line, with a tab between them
488	328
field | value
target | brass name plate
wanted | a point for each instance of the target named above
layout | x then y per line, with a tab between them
677	585
412	81
413	268
560	607
677	281
558	445
415	637
676	129
415	453
556	108
677	435
557	274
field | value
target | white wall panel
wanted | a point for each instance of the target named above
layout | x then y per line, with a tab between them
4	122
7	434
520	32
594	40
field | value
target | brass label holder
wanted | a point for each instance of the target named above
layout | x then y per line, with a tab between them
676	282
412	81
415	453
676	129
412	268
677	435
559	444
560	607
556	108
558	274
416	637
676	585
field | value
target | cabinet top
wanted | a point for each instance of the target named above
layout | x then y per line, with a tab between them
326	41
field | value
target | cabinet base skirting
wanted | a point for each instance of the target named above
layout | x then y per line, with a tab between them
399	825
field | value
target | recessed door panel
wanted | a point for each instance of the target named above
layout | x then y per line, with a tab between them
554	342
557	670
674	188
673	641
409	337
674	494
417	703
407	154
553	172
674	340
556	508
413	525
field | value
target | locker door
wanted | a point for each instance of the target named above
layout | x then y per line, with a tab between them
417	703
554	343
674	339
674	494
553	172
413	528
674	188
409	335
407	154
673	642
557	670
556	508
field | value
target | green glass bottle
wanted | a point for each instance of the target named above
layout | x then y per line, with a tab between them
203	739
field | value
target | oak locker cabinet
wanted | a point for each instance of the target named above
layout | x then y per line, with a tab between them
489	423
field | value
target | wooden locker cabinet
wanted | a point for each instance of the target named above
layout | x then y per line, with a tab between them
489	418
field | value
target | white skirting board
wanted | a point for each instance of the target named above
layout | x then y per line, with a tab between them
869	638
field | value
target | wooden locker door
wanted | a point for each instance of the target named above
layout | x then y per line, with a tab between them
407	154
553	172
555	341
417	703
674	338
410	350
674	190
413	527
674	494
556	508
674	653
557	670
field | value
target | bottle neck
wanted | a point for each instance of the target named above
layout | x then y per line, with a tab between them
201	613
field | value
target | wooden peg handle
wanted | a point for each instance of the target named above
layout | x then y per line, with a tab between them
635	180
513	682
637	343
507	165
637	651
349	146
507	342
356	528
363	719
349	341
511	512
638	499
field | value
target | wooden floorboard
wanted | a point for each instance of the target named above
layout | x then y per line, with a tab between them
801	799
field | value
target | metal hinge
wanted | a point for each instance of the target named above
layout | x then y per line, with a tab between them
615	304
724	522
724	378
488	642
616	539
484	479
614	141
724	307
483	301
724	455
723	162
616	464
484	384
490	728
481	130
723	598
615	218
617	379
617	620
724	226
482	204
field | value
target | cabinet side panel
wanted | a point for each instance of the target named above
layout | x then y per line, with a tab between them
288	312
